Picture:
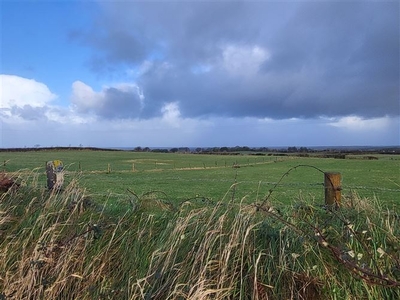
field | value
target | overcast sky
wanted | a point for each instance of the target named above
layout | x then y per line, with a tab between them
199	73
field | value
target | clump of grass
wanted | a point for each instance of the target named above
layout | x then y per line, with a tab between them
66	245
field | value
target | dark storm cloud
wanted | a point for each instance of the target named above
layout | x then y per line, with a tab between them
321	59
120	104
355	48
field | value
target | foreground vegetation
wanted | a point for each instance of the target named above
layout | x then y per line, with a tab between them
69	245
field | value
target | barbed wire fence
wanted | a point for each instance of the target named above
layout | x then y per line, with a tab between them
276	186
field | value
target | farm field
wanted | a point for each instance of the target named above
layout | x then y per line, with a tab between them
131	225
107	175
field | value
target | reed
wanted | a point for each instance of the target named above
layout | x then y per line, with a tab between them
66	245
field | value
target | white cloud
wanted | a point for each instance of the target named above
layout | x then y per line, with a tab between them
119	100
172	130
356	123
171	114
243	60
84	98
87	121
19	91
30	104
26	101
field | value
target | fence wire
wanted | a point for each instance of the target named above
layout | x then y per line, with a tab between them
287	184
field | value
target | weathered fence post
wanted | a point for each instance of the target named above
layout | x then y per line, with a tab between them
55	174
333	189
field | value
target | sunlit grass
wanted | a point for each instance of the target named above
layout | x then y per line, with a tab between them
183	176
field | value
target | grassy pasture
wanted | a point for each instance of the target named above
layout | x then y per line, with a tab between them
96	240
177	177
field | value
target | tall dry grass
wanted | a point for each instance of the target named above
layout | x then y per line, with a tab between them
65	245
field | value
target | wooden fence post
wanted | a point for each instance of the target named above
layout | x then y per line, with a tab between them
55	174
333	189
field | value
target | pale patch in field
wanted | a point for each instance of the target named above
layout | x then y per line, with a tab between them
149	160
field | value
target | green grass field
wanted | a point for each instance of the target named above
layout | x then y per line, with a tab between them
185	226
109	174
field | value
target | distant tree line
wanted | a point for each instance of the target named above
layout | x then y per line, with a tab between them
298	151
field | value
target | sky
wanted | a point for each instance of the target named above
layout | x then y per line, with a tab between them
199	73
